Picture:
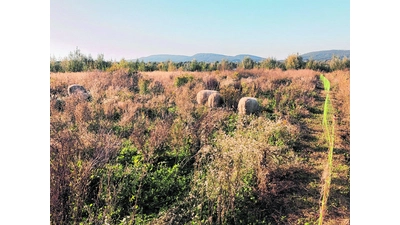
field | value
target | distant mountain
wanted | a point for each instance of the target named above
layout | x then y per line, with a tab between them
240	58
326	55
208	57
211	57
200	57
163	58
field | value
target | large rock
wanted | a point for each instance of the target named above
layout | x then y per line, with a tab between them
202	96
76	89
215	100
248	105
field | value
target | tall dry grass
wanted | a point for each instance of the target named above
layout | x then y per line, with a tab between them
262	162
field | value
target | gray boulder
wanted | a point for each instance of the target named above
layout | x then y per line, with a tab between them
215	100
202	96
76	89
248	105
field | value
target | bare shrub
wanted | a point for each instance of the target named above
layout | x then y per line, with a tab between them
158	137
237	86
250	88
74	156
231	95
57	104
140	129
211	83
185	100
156	87
129	112
82	112
208	123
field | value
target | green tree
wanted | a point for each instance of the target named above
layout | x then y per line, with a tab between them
294	62
99	63
55	66
76	61
269	63
194	66
171	66
339	64
214	66
312	64
151	66
204	66
223	65
142	66
248	63
88	63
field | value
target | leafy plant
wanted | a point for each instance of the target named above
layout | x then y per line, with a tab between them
339	64
182	80
234	170
144	86
247	63
269	63
294	62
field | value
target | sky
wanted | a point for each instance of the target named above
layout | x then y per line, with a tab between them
133	29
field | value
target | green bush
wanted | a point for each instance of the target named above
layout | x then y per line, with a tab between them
236	76
294	62
247	63
144	86
235	168
317	66
339	64
250	89
132	184
269	63
231	95
182	80
55	66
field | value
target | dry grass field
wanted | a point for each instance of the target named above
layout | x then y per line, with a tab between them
142	151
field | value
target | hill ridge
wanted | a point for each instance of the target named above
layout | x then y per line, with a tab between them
213	57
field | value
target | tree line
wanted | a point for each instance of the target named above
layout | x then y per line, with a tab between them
78	62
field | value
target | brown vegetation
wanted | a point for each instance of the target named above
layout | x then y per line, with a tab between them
143	151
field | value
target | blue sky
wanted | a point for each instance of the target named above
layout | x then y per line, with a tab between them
132	29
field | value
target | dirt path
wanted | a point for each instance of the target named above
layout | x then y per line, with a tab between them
314	149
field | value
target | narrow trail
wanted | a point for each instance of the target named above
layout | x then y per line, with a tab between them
314	150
